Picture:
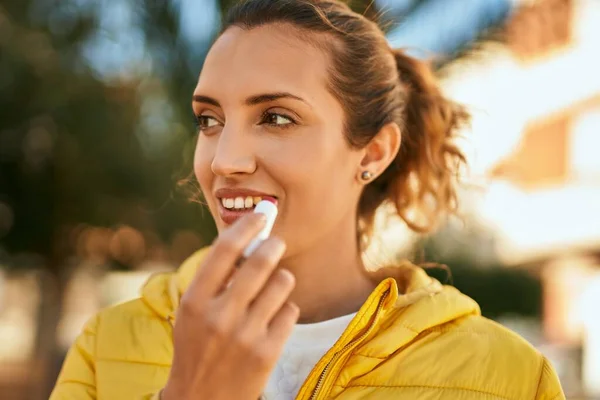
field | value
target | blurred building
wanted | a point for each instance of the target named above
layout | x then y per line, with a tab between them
534	144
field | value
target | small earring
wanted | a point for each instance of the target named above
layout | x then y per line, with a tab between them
366	175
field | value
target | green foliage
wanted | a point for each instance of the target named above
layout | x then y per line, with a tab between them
70	148
472	267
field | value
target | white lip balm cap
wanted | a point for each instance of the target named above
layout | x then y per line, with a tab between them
269	209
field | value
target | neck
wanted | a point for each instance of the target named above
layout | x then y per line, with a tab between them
330	276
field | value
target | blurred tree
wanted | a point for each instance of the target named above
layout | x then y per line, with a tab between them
70	148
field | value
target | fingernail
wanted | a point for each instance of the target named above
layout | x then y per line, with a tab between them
287	273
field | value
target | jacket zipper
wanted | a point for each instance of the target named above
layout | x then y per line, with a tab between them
337	355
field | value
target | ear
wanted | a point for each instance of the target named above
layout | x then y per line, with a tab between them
381	150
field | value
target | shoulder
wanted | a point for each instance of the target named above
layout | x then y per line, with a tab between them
130	332
488	337
469	357
118	343
481	355
491	344
508	360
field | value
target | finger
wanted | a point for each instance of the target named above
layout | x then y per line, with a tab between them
227	282
222	257
272	298
282	324
254	272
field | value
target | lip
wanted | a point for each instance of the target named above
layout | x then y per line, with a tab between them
230	216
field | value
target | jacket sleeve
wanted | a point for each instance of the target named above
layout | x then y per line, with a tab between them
77	380
549	386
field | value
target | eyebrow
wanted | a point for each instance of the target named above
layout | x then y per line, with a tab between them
252	100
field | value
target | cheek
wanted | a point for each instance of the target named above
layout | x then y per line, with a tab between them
317	176
301	166
203	157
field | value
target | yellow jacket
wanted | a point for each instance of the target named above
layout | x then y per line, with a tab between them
430	342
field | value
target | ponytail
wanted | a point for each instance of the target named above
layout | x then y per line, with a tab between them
420	182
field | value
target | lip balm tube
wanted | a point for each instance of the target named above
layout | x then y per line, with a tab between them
269	209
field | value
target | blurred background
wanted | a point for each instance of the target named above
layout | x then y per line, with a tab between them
96	133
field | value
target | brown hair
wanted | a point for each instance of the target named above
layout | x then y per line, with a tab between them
377	85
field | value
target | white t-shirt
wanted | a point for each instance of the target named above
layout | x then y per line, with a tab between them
303	350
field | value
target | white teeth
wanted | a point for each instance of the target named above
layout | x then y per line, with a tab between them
240	203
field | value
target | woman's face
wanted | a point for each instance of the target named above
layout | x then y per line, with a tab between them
269	127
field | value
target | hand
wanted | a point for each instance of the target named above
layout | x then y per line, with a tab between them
227	338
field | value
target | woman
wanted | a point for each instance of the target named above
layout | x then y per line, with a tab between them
303	102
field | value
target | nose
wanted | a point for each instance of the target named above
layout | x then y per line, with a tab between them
233	155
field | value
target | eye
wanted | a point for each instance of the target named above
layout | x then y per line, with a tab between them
205	122
276	119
